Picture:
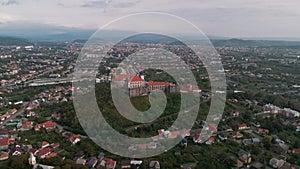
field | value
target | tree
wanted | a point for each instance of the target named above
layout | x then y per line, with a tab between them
267	142
19	161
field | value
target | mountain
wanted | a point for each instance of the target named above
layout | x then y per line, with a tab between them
152	38
36	32
11	41
254	43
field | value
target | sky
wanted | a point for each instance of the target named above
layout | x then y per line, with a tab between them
227	18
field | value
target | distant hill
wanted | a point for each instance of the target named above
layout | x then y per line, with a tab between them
79	41
253	43
152	38
11	41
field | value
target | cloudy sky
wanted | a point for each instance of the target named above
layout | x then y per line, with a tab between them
230	18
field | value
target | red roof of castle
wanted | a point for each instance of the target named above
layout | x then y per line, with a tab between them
152	83
136	78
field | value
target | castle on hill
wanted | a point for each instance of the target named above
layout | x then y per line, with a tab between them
138	86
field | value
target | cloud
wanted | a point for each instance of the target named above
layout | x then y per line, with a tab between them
96	4
5	18
9	2
125	4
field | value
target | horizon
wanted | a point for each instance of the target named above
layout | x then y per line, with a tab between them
71	34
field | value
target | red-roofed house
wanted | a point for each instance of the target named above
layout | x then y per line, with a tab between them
110	163
296	151
49	125
243	126
74	138
213	128
27	126
45	144
37	127
4	142
4	156
190	88
55	145
42	153
261	131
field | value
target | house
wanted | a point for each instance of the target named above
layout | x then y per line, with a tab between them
27	147
256	140
2	118
52	154
27	126
4	142
154	165
16	150
4	132
256	124
42	153
45	144
238	135
136	162
12	111
197	138
100	156
30	114
32	106
184	142
289	113
80	161
56	116
296	151
298	129
244	156
49	125
222	136
261	131
34	151
125	164
43	166
92	162
243	126
55	145
74	138
213	128
4	155
235	114
210	141
187	88
31	159
37	127
108	163
275	163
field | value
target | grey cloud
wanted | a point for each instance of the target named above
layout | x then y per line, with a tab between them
9	2
96	4
126	4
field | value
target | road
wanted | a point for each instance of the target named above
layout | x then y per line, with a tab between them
12	117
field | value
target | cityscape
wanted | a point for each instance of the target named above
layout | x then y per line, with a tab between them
44	68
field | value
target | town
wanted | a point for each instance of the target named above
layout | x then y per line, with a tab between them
259	128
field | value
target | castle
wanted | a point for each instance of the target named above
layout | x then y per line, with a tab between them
138	86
